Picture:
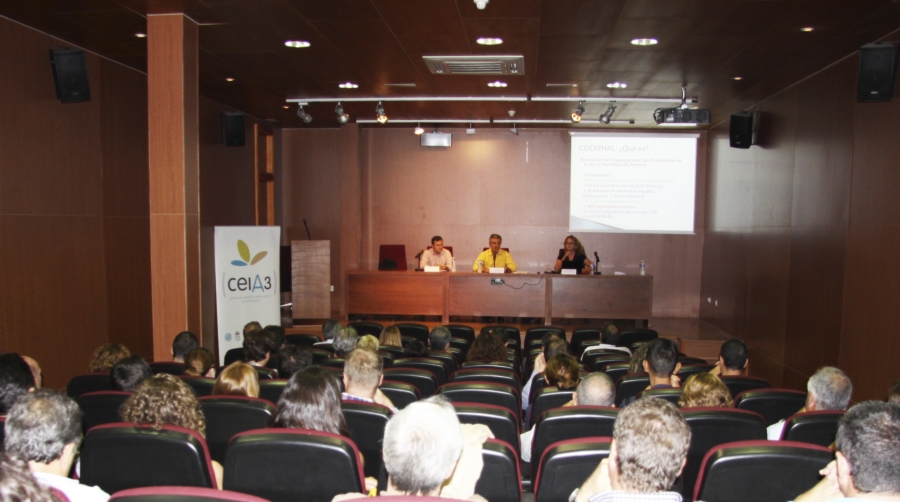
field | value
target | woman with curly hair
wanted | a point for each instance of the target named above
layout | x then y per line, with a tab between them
238	379
572	257
390	336
563	371
704	389
487	347
637	359
106	356
200	362
165	400
311	400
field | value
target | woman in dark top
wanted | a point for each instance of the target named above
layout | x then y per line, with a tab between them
573	257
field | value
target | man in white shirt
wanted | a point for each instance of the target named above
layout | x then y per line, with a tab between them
437	256
43	428
828	389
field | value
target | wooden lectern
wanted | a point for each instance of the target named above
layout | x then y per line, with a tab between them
311	279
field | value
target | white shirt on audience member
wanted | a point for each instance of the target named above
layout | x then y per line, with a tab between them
773	432
74	491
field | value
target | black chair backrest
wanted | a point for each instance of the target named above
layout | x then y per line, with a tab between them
616	370
482	392
538	332
334	362
501	479
181	494
738	384
320	354
813	427
490	365
227	416
424	380
711	427
515	336
579	336
201	386
597	361
691	360
91	382
547	398
400	393
414	330
121	455
694	369
302	339
431	364
366	422
503	376
169	367
461	331
571	422
2	429
271	390
501	421
772	404
447	358
461	347
233	355
265	373
397	352
367	328
284	465
670	395
630	385
101	407
760	470
565	465
585	345
387	358
626	338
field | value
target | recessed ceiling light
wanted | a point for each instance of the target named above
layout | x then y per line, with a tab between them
497	83
141	35
617	85
348	85
644	41
286	107
739	78
297	44
807	29
489	41
229	79
562	85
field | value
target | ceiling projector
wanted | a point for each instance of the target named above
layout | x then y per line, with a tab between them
681	116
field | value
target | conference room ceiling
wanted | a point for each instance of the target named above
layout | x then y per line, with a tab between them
703	44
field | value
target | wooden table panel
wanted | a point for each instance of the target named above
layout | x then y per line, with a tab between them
472	294
602	297
405	293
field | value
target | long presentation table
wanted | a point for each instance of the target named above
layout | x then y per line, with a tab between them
521	295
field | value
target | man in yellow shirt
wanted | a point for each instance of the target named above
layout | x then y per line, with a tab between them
494	257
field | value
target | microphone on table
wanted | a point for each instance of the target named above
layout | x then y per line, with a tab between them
597	257
418	262
420	254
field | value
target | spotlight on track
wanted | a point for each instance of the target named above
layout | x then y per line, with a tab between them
419	130
607	115
305	117
576	115
380	116
342	117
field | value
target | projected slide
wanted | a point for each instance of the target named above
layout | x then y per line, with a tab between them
633	183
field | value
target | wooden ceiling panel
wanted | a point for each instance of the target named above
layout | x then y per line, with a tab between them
368	45
630	60
501	9
520	36
336	10
579	17
667	31
432	27
569	58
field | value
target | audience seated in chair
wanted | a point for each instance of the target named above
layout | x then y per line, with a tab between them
368	342
551	345
16	380
106	356
733	359
35	370
345	341
129	373
487	347
44	429
637	359
390	336
17	484
415	349
311	400
200	362
828	389
427	452
596	389
363	374
237	379
439	339
183	343
293	358
608	338
165	400
647	453
704	390
867	459
258	347
329	330
661	364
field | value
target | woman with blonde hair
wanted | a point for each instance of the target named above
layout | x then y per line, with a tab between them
238	379
165	400
368	342
390	336
200	362
573	257
704	389
106	356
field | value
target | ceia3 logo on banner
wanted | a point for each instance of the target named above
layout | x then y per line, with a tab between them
245	284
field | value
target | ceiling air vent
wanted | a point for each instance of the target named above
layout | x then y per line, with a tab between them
475	65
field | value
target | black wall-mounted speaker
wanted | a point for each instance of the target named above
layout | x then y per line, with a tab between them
742	132
70	75
233	124
877	64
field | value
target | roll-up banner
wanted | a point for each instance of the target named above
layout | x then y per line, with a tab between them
247	289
